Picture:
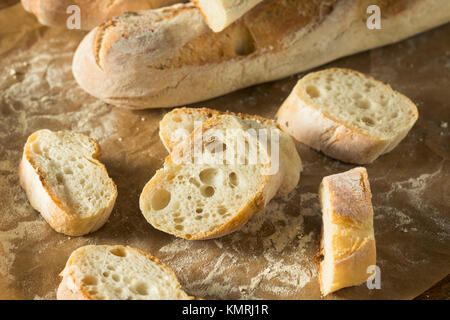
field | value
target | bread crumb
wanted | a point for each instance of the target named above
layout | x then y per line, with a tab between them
444	124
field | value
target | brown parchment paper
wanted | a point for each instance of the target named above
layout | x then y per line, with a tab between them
272	256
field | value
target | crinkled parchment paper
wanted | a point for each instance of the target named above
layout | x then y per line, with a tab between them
272	256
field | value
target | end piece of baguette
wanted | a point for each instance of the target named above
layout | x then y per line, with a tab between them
347	115
104	272
348	241
219	14
65	181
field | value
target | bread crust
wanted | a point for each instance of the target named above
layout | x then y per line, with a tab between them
307	124
71	288
142	67
93	12
353	248
58	216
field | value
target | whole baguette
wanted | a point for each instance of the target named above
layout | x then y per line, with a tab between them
169	57
93	12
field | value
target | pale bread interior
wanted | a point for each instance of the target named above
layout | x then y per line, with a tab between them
72	172
121	273
359	102
191	199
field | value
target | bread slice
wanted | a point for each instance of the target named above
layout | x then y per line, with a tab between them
93	12
348	241
65	181
347	115
213	182
104	272
178	124
219	14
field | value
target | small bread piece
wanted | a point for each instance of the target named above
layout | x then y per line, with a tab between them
104	272
206	192
66	182
348	241
347	115
92	12
219	14
178	124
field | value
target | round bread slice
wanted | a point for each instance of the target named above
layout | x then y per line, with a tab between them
198	195
347	115
65	181
103	272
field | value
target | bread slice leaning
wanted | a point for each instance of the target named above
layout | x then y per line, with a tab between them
348	241
219	14
105	272
65	181
92	12
347	115
213	182
178	124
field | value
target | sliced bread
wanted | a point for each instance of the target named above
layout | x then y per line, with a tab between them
219	14
348	241
178	124
65	181
347	115
103	272
206	192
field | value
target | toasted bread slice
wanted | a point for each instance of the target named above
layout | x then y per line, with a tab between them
347	115
117	273
206	192
219	14
348	241
65	181
178	124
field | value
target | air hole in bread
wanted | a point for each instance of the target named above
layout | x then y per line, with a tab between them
36	148
194	182
59	178
112	268
140	288
116	277
179	227
222	210
234	182
210	176
244	44
357	96
177	119
161	199
68	170
178	220
368	121
119	252
90	281
199	210
313	92
363	104
207	191
105	274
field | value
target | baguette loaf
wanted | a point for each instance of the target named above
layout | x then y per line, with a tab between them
169	57
178	124
65	181
348	241
206	192
347	115
219	14
93	12
117	273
